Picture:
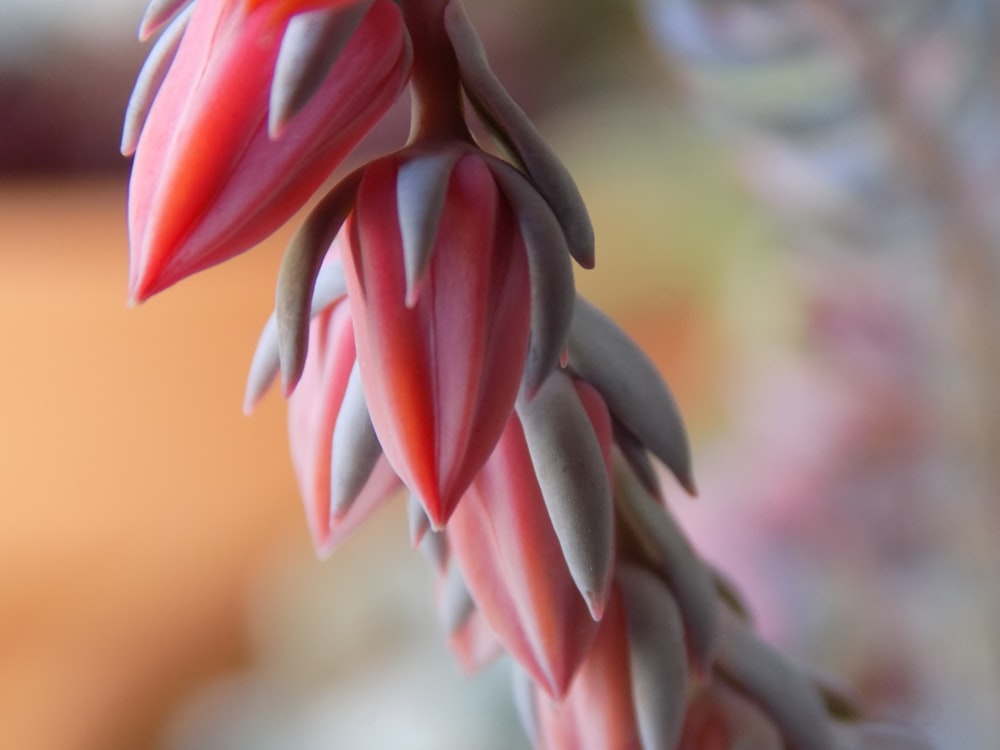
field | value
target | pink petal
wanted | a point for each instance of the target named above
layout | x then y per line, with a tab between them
597	712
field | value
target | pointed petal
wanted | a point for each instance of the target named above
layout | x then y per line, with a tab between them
669	555
509	553
552	289
757	671
356	449
311	45
657	657
602	354
570	467
421	189
151	76
158	12
598	712
330	287
504	116
297	276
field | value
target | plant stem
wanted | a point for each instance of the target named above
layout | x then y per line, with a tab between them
435	82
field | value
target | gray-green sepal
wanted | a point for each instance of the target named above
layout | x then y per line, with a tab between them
421	189
602	354
311	45
330	287
552	287
502	115
149	80
456	605
355	450
158	12
657	657
569	465
297	276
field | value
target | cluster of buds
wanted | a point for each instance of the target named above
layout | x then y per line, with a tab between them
428	336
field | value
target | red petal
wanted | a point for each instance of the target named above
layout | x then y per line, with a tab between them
597	712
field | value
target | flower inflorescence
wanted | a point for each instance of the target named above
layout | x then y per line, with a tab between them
428	336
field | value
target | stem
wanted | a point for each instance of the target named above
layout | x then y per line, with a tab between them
435	81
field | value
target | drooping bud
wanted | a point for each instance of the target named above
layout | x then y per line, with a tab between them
207	181
440	375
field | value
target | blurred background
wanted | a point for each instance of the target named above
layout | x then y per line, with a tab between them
794	204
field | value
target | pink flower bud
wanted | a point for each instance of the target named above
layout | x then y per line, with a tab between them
442	317
207	181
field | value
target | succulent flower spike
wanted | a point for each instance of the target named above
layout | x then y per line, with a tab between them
207	181
603	355
316	428
568	434
504	542
598	712
440	374
503	116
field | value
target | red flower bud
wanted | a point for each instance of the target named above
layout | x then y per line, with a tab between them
208	182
